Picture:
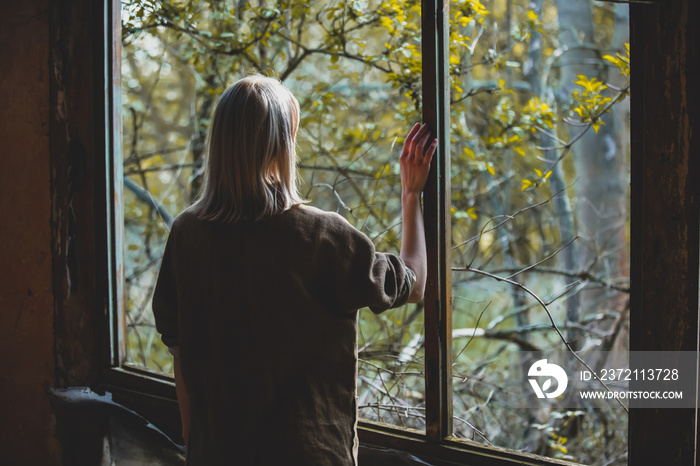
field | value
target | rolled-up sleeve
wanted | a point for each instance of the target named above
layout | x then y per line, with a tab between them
165	296
363	277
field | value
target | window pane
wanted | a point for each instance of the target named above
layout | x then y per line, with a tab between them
355	68
561	213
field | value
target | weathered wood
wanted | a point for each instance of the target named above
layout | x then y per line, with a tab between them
438	295
115	326
77	109
665	212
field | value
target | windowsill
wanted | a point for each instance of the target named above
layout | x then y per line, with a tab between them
449	451
153	396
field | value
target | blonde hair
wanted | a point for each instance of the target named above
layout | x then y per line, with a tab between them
251	157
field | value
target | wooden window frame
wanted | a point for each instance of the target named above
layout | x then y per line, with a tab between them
154	396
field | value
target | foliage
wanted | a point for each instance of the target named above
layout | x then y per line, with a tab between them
355	67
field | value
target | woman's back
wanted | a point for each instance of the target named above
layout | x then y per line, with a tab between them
259	293
264	315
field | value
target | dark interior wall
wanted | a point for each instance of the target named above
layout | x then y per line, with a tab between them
26	298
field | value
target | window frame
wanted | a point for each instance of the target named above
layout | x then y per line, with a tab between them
154	395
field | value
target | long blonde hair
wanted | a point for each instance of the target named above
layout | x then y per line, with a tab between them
251	156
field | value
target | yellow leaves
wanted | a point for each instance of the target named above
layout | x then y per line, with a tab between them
501	84
395	9
543	175
558	443
514	138
490	169
591	85
560	447
474	9
503	140
597	124
469	152
590	103
534	22
457	40
614	60
622	62
468	12
528	184
537	113
388	24
504	113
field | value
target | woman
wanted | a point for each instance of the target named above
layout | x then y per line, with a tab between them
257	294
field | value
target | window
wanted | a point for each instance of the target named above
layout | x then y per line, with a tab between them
539	199
343	64
166	160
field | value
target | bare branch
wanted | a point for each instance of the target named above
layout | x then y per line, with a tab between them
145	196
551	319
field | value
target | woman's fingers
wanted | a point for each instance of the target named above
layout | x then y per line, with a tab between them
409	139
421	143
431	151
414	149
418	142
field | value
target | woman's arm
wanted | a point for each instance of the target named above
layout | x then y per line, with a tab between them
415	165
182	400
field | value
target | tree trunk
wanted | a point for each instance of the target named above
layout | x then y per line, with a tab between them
599	160
562	204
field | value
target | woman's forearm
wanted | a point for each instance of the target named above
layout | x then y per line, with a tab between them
413	251
415	165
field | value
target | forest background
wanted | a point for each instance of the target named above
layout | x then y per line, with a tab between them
540	182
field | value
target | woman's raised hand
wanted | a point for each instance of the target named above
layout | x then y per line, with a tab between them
415	159
415	165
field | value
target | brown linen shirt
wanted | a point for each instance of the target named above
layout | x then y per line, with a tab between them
264	314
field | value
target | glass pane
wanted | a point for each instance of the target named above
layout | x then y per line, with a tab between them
536	203
355	68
